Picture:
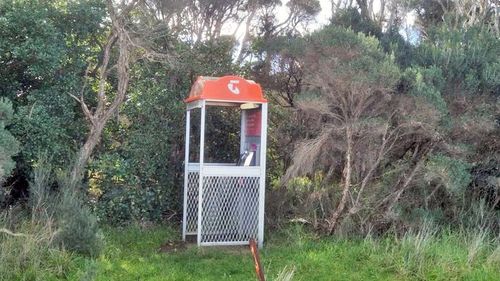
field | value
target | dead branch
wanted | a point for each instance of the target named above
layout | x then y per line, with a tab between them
8	232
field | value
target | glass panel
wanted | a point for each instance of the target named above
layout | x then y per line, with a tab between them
222	134
194	136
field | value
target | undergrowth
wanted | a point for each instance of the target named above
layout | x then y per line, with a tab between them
58	240
132	253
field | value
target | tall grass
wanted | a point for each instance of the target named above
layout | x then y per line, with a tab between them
27	236
41	204
415	248
418	253
479	226
286	274
26	251
40	241
476	242
494	258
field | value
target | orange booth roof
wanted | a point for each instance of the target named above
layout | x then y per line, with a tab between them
227	88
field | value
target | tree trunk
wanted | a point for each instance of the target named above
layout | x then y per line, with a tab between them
105	109
363	6
78	169
347	182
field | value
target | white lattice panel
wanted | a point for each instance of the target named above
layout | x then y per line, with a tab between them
229	209
192	203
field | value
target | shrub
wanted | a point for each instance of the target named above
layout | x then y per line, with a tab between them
306	200
427	83
119	196
40	202
138	174
9	146
27	250
38	243
452	173
468	59
79	230
351	18
121	204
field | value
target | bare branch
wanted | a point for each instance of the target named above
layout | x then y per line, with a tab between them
8	232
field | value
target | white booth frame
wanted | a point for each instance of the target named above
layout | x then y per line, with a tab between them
207	170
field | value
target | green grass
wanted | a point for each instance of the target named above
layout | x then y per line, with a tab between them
132	254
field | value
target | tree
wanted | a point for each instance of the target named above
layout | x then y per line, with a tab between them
44	48
354	116
129	48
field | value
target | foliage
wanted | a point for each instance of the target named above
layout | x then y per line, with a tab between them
350	107
484	183
442	92
135	178
351	18
78	228
9	146
468	59
452	173
308	198
44	242
120	197
427	83
138	170
40	68
364	57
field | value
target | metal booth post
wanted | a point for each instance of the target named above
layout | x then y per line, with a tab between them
200	180
262	189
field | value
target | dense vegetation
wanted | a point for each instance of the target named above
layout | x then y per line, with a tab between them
379	127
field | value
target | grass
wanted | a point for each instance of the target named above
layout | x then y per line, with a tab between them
132	254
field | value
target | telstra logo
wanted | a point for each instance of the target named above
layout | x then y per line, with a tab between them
232	86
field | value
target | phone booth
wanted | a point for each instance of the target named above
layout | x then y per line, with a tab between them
224	202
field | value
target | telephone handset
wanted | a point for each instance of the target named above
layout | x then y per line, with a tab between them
245	158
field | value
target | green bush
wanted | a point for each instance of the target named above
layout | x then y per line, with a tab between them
122	205
452	173
78	228
468	58
351	18
45	47
65	209
119	196
9	146
427	83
